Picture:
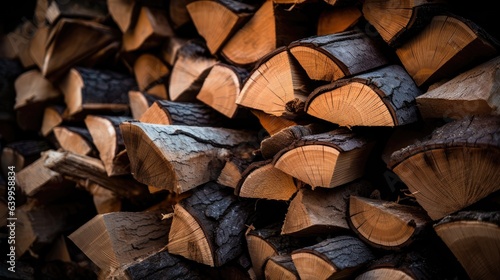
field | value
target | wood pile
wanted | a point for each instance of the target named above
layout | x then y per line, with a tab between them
250	139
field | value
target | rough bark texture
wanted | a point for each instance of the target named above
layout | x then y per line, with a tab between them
191	114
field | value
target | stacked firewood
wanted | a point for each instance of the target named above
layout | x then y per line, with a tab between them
228	139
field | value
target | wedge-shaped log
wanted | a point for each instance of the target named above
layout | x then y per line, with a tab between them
75	139
334	56
384	224
123	13
334	258
52	117
139	102
271	123
384	97
444	48
474	238
22	153
176	157
232	172
474	92
326	160
152	25
281	267
151	75
321	211
209	226
438	171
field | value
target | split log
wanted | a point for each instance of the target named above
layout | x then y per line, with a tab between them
397	21
384	224
271	123
281	267
22	153
108	139
88	90
176	157
438	170
473	237
209	226
221	87
75	139
331	57
123	12
179	15
188	71
338	19
52	117
384	97
139	102
320	211
170	48
217	21
152	25
94	10
471	93
326	160
183	113
334	258
266	242
445	47
232	172
262	180
151	75
15	44
37	45
115	239
33	94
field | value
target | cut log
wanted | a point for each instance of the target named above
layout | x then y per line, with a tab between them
33	94
438	171
115	239
151	75
384	224
221	87
320	211
274	85
396	21
271	123
473	237
139	102
179	15
281	267
88	90
182	113
152	25
209	226
262	180
445	47
176	157
338	19
94	10
188	71
332	258
72	41
22	153
326	160
107	137
37	45
217	21
331	57
170	48
75	139
266	242
384	97
52	117
474	92
123	12
231	174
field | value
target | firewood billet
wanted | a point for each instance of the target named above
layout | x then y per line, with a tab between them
384	97
71	41
182	113
152	25
333	258
232	172
474	92
267	242
123	12
281	267
439	171
326	160
115	239
384	224
271	123
262	180
179	15
151	75
320	211
75	139
52	117
221	87
176	157
331	57
89	90
188	71
37	45
170	48
107	137
139	102
22	153
397	21
84	167
474	239
33	94
95	10
338	19
275	85
444	48
217	21
209	226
